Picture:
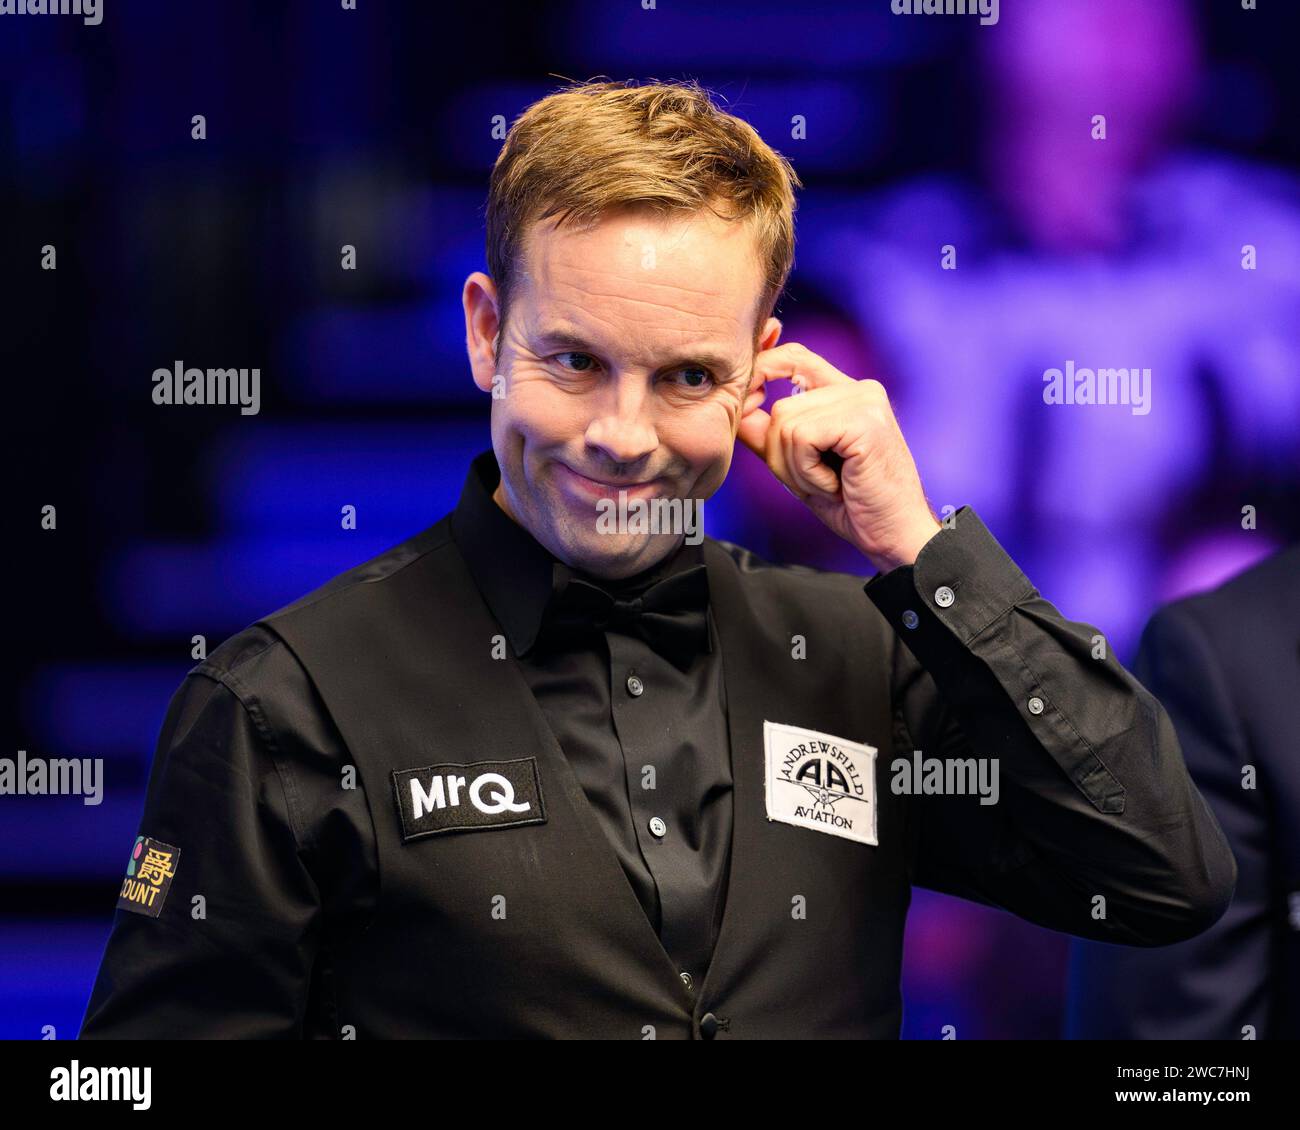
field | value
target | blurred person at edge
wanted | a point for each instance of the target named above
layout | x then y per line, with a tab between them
1226	665
1125	252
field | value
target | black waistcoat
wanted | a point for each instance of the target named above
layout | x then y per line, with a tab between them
533	930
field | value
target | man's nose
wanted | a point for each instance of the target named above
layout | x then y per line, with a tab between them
621	426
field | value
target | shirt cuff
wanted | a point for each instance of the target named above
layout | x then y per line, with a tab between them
962	582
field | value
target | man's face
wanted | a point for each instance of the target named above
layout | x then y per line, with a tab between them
625	359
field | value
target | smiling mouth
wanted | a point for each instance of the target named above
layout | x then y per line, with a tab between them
599	488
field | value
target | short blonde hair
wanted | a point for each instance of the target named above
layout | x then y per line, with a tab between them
592	147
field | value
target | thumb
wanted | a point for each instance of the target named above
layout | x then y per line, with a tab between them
753	431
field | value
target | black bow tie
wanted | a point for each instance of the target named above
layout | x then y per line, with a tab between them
671	615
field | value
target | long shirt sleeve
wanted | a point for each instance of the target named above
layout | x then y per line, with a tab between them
258	810
1098	830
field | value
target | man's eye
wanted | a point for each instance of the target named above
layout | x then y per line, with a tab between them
695	378
583	368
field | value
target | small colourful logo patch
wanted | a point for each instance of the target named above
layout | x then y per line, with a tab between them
149	874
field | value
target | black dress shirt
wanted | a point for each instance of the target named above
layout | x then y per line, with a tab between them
646	738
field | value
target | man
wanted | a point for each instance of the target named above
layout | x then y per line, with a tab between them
537	773
1226	664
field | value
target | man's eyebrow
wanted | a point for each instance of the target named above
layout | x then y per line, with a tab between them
565	339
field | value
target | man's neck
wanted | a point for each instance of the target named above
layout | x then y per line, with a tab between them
637	580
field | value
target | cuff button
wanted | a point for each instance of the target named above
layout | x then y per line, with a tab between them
943	596
910	619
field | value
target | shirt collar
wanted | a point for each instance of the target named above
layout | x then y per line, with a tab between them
517	575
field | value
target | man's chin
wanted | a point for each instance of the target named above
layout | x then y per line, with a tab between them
615	556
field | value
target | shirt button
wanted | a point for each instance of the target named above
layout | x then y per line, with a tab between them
708	1025
687	980
635	686
657	827
910	619
943	596
1035	705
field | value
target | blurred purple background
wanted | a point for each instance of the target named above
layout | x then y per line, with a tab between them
374	128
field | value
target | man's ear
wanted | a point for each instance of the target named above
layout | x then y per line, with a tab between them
482	327
756	393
